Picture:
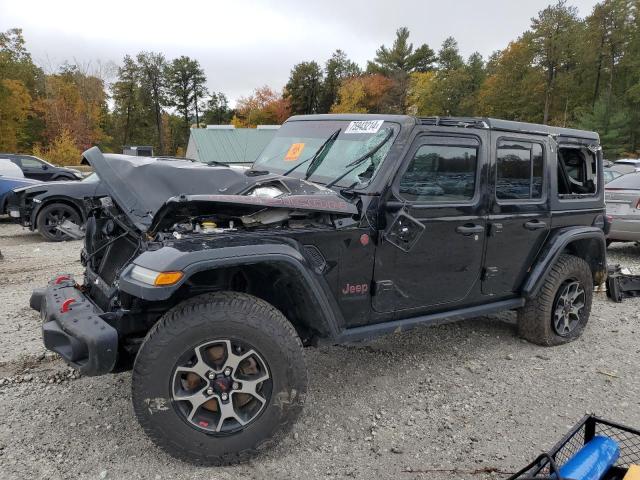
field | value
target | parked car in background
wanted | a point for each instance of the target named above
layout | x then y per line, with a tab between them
38	169
10	177
623	208
46	206
610	174
633	163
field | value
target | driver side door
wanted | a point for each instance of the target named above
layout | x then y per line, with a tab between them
431	253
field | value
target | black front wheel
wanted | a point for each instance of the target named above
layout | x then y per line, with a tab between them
53	215
218	378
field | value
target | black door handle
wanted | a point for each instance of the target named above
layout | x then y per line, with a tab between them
535	225
469	229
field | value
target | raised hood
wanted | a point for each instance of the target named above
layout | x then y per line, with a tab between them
155	193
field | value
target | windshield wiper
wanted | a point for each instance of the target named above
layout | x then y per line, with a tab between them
358	161
311	159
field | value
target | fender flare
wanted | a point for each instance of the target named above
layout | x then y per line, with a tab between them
190	263
555	246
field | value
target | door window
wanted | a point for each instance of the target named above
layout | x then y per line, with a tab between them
441	173
28	162
519	170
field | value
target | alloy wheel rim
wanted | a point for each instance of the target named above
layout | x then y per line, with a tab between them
221	386
55	218
568	307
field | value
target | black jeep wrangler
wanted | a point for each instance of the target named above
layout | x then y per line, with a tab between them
209	279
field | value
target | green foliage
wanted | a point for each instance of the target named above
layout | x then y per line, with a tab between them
337	69
401	57
217	111
62	150
612	127
563	70
304	88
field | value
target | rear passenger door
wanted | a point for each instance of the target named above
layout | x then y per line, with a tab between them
519	217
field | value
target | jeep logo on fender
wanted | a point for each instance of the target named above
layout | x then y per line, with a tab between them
351	289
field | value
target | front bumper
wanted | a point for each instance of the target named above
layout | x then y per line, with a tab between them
74	328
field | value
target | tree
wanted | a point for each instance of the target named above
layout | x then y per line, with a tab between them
263	107
217	110
125	93
336	70
15	103
449	55
397	63
401	57
75	102
364	94
304	88
513	88
179	76
62	150
153	88
613	129
553	34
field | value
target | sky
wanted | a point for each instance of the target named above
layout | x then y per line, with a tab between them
247	44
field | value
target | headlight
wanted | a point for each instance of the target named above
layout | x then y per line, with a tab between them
269	192
151	277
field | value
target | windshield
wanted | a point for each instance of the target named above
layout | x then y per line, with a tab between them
296	143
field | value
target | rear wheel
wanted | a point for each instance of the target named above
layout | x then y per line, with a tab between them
53	215
218	378
560	311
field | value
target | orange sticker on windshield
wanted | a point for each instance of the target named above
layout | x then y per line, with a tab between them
294	152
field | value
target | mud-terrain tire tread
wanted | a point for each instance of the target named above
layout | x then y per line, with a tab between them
189	314
534	319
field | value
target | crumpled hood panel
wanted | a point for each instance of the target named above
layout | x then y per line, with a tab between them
152	191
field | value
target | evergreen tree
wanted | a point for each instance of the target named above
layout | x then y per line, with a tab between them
304	88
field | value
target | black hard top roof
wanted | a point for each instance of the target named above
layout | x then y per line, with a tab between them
462	122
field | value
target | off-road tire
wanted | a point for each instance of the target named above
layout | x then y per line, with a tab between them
535	319
211	316
41	224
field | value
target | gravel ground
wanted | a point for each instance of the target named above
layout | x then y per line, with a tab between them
469	395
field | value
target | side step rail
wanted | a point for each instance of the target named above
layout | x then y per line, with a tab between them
621	285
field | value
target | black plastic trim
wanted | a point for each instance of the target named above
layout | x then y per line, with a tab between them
76	332
554	246
370	331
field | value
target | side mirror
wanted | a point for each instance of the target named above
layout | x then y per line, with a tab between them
45	166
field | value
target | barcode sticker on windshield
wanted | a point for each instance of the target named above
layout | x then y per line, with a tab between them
364	126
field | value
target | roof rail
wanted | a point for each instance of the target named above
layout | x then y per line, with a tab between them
454	122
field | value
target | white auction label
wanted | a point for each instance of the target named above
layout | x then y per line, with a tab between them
364	126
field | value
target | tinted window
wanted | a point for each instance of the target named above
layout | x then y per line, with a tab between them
28	162
441	173
519	170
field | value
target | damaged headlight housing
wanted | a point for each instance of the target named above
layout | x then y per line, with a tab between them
267	191
156	279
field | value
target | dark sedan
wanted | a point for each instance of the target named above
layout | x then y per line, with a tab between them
46	207
38	169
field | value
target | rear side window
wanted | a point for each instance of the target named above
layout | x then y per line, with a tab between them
577	172
28	162
519	170
441	173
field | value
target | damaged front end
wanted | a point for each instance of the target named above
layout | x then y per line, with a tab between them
128	222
